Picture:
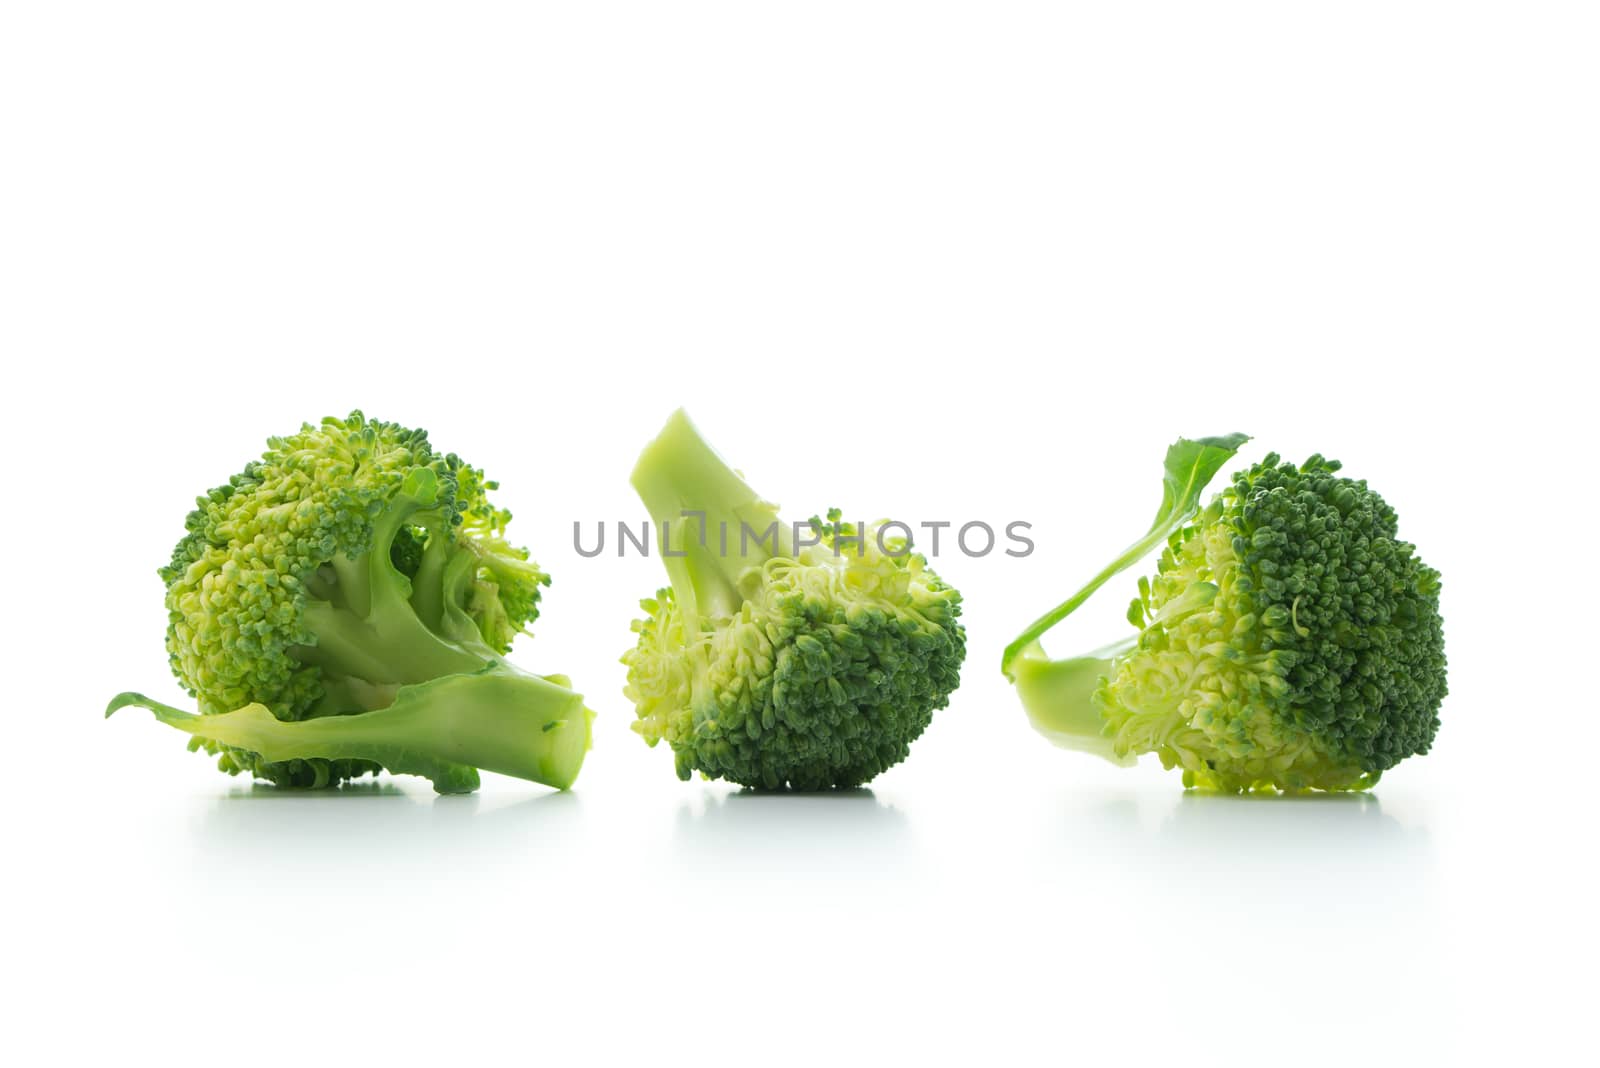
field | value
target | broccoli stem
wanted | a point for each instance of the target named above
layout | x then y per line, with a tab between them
499	720
390	646
732	528
1058	696
427	585
1029	639
1190	465
381	628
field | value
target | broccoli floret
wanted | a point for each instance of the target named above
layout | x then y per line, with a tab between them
1288	640
343	606
780	660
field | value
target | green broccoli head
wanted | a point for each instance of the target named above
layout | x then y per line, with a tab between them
348	563
1287	640
776	660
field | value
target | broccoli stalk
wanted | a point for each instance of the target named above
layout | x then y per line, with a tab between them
713	527
444	729
1058	696
1189	468
374	625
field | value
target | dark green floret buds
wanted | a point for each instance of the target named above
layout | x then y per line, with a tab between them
774	660
1288	639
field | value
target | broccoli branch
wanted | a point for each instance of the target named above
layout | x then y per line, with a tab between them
1190	465
1058	696
498	720
377	629
731	530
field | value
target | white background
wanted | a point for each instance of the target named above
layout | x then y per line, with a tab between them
930	260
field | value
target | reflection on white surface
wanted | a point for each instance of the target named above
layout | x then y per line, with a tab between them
1334	874
1339	877
849	833
260	831
1248	907
1262	829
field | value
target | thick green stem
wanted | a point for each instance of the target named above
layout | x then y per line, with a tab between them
498	720
377	635
390	647
1058	696
728	528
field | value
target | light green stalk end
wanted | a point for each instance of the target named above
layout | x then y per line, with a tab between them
729	530
1058	696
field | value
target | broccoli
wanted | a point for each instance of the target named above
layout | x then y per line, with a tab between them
343	605
1288	639
805	657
